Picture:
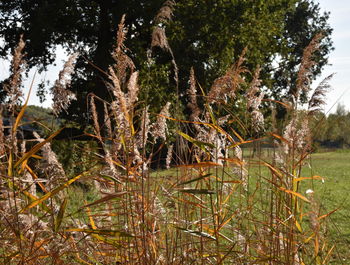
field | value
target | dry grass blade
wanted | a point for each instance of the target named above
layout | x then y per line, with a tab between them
236	161
244	142
33	198
303	178
198	191
194	179
200	144
35	149
106	198
298	226
201	164
106	232
273	169
294	193
31	172
53	192
327	214
23	109
197	233
279	138
326	259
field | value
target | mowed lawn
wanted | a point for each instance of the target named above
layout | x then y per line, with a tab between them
333	194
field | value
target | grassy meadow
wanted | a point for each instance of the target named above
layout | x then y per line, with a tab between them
332	193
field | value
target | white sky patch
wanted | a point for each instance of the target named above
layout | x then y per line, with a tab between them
341	35
340	57
50	75
341	60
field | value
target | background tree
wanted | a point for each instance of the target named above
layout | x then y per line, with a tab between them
206	35
334	131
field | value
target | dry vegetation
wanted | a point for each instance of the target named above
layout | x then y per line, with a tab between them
205	210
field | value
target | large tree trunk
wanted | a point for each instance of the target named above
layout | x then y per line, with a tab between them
102	60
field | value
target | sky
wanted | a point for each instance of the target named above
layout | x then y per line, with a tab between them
339	60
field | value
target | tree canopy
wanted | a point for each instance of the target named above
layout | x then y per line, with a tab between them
206	35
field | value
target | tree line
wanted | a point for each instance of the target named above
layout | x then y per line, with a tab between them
334	129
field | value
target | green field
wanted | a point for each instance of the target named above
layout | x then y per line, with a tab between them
333	194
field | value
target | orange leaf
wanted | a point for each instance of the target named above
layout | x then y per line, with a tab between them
302	178
235	161
201	164
328	214
279	137
294	193
52	193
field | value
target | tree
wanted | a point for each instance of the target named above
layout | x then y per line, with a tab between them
302	24
208	35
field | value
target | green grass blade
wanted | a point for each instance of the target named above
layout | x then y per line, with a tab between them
60	215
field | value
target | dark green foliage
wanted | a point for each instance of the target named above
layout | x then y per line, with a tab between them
41	119
75	156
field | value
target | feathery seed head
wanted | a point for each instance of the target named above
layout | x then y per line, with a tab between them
225	87
305	70
13	90
159	39
165	12
107	120
317	100
95	117
52	167
192	93
160	128
133	90
122	61
257	120
142	135
169	156
2	136
121	36
62	97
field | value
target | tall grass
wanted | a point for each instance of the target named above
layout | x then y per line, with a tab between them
217	207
